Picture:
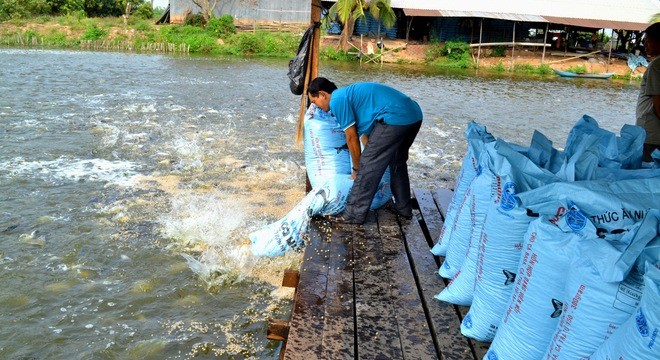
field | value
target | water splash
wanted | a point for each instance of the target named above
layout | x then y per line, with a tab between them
210	226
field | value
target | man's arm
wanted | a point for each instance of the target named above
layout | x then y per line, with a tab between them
353	143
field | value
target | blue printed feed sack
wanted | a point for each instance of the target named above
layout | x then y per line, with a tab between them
476	136
329	170
637	338
603	288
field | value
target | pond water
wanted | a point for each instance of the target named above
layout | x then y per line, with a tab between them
129	184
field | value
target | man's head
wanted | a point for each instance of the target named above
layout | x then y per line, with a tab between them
652	40
320	91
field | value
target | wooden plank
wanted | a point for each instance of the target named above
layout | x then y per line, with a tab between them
432	220
414	331
376	327
443	197
277	330
445	323
339	319
291	278
306	325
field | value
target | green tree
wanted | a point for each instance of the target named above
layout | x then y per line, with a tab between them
349	11
655	18
66	7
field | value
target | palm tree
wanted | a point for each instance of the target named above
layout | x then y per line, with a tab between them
349	11
655	18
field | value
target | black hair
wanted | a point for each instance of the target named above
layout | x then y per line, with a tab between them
653	31
320	84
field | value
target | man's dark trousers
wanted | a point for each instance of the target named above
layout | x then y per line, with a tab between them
388	145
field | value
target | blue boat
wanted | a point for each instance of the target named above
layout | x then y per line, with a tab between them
586	76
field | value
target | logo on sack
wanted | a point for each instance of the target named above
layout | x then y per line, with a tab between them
492	355
557	305
467	322
508	200
510	277
575	219
642	325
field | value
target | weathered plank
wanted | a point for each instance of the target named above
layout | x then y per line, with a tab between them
339	324
278	330
442	198
444	320
413	327
430	214
306	325
377	336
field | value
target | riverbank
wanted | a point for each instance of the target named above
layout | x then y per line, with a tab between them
278	40
398	51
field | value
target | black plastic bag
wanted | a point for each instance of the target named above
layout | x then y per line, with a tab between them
298	65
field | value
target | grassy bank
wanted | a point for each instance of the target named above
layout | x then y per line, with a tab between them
221	36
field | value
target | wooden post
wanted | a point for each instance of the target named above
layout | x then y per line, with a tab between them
481	30
545	41
408	29
609	55
513	45
312	69
316	40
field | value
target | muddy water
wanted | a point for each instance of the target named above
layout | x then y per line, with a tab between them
129	183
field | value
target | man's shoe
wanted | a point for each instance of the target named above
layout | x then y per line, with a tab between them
389	206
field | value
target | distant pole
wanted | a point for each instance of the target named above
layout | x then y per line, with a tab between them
481	30
609	56
513	44
545	41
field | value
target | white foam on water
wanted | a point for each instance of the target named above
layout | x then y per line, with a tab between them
121	173
189	152
208	227
141	108
109	134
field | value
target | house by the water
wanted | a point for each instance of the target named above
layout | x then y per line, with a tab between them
472	21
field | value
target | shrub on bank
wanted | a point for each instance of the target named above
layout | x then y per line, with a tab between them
451	54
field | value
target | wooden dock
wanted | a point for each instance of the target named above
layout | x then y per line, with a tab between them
366	292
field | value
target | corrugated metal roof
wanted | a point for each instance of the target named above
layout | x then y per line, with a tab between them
611	14
629	14
492	15
421	12
597	24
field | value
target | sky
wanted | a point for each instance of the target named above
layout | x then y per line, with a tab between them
161	3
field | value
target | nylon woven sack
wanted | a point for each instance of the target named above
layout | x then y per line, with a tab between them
476	136
470	218
324	146
637	338
603	289
502	221
536	302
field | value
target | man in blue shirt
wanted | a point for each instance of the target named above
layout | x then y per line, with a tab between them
386	121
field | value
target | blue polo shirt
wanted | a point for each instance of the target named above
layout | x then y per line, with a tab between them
361	104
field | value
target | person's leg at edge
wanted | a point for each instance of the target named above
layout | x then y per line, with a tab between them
377	155
399	178
648	150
